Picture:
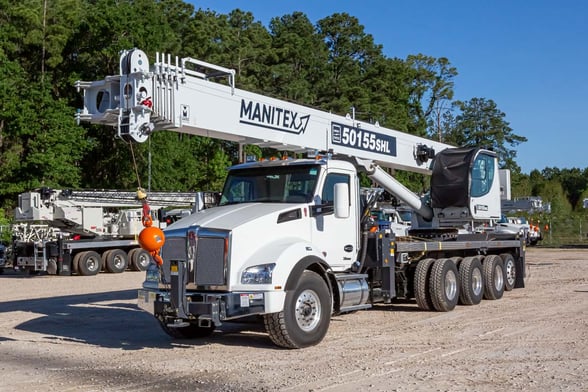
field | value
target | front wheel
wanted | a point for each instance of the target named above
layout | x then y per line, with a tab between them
306	315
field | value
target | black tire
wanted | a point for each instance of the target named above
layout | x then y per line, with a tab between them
422	279
139	259
75	262
191	331
471	281
510	271
104	256
493	273
306	316
444	285
89	263
117	261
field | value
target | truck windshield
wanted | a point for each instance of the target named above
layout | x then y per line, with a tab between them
272	184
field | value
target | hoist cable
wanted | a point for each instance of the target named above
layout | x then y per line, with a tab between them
135	165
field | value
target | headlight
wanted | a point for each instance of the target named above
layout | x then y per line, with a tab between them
258	274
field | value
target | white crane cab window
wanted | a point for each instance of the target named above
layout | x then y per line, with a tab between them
482	175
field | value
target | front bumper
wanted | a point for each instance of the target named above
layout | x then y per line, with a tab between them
215	307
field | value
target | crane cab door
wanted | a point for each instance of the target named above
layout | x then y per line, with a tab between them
338	238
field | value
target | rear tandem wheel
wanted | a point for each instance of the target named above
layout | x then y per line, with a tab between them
493	274
422	278
472	284
444	285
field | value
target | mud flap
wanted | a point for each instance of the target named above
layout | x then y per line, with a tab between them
521	272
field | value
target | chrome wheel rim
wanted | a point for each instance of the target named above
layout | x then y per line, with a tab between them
308	310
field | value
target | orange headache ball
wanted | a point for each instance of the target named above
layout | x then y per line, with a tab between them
151	239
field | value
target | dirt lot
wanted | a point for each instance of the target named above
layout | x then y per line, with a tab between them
86	334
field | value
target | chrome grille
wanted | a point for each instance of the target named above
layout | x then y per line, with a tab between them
208	253
174	248
210	262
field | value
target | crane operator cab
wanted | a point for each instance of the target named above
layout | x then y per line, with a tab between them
465	187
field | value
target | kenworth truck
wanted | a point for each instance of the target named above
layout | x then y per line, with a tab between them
291	240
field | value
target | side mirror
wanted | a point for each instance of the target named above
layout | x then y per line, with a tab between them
341	201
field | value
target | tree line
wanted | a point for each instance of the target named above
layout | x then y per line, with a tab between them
333	65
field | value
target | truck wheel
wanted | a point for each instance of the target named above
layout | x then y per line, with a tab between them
76	262
139	259
472	284
510	271
493	274
116	261
306	315
89	263
422	277
444	285
191	331
104	257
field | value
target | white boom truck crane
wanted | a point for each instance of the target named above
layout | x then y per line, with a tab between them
88	230
290	240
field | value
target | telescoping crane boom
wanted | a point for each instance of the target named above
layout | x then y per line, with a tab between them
184	97
320	254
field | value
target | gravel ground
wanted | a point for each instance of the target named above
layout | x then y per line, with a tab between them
86	334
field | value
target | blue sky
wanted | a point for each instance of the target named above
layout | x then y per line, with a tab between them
530	57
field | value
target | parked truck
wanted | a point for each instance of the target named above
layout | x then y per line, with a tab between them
291	240
86	231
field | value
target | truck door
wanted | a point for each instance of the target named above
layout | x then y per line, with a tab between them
338	238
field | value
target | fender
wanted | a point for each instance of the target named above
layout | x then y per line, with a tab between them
319	266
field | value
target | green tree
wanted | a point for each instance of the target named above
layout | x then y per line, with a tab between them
480	123
432	85
574	183
299	59
351	52
552	192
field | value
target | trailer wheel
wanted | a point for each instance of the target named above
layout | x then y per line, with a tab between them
191	331
472	284
422	277
444	285
75	262
116	261
510	271
104	257
493	273
306	315
139	259
89	263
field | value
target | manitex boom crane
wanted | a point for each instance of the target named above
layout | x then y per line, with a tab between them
291	239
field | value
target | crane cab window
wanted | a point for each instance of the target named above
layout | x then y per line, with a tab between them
482	175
